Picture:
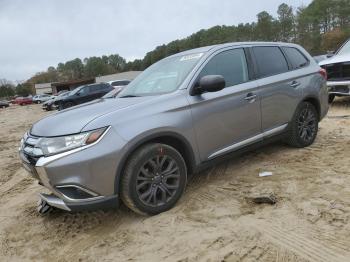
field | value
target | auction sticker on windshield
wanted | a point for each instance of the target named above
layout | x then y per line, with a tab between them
190	57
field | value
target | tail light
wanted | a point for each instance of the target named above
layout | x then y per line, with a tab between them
323	73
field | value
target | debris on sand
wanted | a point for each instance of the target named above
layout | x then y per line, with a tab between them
262	174
265	199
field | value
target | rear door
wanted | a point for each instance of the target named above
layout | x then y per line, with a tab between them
105	88
279	86
228	119
95	91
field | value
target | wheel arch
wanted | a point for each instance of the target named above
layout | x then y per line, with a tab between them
175	140
316	103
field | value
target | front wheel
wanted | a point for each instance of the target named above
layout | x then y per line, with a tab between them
154	179
304	126
68	105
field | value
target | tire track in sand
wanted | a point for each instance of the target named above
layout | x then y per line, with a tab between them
16	178
301	244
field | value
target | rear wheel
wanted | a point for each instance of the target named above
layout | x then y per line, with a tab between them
304	126
154	179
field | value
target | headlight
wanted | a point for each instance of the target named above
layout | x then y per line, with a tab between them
55	145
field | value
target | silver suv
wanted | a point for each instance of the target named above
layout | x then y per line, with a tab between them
181	114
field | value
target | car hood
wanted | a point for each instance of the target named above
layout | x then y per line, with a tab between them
73	120
336	59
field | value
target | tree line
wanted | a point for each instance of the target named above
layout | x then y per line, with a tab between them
321	26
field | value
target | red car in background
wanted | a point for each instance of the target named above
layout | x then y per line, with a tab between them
23	101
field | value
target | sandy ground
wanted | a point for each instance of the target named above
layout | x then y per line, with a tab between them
215	219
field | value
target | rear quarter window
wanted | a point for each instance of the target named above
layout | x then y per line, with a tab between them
295	57
270	60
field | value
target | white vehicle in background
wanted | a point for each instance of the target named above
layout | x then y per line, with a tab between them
119	84
338	70
38	99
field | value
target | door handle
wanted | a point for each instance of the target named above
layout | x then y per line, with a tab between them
251	97
295	84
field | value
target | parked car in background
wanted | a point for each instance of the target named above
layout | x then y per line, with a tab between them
113	93
38	99
23	101
119	84
178	116
338	71
13	99
320	58
4	104
83	94
50	104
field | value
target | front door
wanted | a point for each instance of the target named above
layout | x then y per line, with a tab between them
229	119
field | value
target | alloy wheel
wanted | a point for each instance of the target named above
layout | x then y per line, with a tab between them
158	180
307	124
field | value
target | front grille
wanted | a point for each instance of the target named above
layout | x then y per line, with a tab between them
29	150
338	71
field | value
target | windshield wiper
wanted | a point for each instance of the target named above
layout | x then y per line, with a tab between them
128	96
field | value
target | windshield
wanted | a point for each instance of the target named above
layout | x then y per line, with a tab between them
163	77
64	94
345	48
76	90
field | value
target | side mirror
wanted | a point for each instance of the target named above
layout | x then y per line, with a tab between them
330	54
210	83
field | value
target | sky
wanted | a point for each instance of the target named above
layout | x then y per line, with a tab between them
37	34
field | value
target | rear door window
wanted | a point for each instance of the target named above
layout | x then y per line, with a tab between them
95	88
296	58
270	60
231	64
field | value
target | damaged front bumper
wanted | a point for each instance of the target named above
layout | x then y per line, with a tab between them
79	179
339	88
68	197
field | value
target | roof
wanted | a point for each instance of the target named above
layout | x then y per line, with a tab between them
205	49
43	85
74	82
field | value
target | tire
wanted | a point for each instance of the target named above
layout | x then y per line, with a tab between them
331	99
304	126
68	105
144	188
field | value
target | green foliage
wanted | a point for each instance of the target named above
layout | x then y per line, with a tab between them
6	88
286	23
24	89
319	27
